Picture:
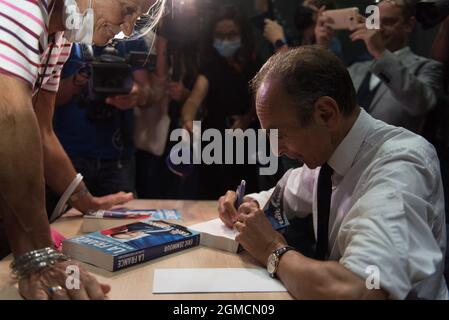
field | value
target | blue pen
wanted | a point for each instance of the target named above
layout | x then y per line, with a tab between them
240	193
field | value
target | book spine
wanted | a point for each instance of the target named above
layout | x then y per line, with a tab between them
128	260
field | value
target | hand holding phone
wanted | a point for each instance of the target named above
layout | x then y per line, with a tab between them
342	19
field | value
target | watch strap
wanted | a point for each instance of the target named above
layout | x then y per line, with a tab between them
279	43
281	251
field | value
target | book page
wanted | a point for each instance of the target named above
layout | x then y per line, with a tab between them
215	227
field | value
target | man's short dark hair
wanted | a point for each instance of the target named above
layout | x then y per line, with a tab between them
306	74
408	7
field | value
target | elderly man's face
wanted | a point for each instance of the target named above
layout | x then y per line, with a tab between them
114	16
395	29
310	144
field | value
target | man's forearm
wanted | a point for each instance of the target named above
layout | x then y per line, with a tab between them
22	193
312	279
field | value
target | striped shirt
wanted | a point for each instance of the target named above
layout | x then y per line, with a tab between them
27	52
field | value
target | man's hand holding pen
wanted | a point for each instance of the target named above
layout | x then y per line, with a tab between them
255	232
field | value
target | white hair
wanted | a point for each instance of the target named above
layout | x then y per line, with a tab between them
149	20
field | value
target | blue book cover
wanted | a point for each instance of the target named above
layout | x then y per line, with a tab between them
121	247
124	213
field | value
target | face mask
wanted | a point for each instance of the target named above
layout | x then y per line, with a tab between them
227	49
79	27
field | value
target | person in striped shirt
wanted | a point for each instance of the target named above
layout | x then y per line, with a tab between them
35	42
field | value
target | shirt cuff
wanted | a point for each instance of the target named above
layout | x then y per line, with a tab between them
261	198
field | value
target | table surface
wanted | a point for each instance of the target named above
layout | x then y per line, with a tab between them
137	282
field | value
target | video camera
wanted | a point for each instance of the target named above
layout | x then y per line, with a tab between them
431	12
111	74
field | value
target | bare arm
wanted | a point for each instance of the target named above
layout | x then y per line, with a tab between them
59	171
22	192
304	278
311	279
22	195
193	103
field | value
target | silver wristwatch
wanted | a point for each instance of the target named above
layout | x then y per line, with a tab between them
275	258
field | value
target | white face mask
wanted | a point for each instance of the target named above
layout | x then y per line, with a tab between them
79	27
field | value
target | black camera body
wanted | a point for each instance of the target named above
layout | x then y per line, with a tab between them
111	74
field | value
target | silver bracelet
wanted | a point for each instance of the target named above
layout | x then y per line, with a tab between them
34	261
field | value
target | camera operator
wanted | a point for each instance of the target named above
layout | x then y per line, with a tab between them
397	86
33	52
97	135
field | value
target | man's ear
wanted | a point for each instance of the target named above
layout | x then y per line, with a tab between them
327	112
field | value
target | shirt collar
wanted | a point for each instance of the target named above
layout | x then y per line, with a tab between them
402	51
343	157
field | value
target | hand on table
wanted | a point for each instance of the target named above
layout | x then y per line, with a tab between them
91	203
50	284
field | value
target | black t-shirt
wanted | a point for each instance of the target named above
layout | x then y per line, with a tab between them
229	93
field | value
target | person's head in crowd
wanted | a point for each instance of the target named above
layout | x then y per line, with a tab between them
306	16
231	35
397	21
308	95
101	20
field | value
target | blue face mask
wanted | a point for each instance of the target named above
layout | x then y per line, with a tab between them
226	48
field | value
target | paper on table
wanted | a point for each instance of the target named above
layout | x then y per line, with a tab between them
214	280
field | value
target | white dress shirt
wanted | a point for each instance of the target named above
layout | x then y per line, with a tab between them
387	208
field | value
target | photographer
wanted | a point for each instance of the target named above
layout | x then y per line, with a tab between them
34	47
97	135
397	86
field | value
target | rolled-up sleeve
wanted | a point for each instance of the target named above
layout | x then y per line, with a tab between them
377	238
297	196
393	227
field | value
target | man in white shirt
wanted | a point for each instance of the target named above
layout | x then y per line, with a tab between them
381	227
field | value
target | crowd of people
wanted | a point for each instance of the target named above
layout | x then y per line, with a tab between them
372	188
